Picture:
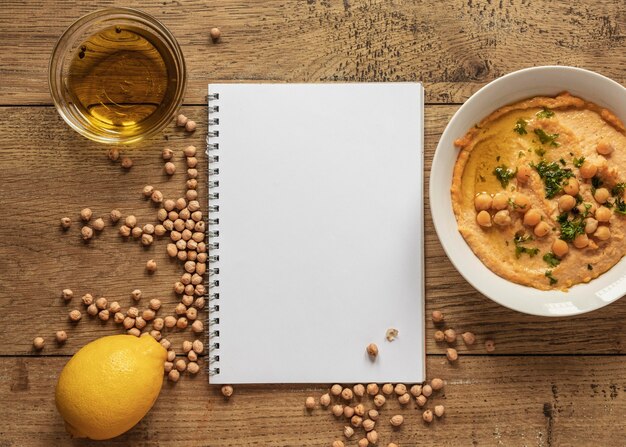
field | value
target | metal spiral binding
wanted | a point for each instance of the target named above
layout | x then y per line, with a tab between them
212	236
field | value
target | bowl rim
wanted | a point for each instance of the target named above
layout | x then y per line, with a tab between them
60	51
439	208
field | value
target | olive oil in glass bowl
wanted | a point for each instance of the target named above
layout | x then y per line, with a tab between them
117	76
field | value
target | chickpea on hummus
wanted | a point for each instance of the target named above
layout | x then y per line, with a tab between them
539	191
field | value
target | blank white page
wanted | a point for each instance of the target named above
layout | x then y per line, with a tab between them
320	232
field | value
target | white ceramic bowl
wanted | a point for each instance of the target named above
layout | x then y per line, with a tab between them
513	87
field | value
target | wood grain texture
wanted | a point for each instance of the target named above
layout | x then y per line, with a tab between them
49	172
511	401
454	47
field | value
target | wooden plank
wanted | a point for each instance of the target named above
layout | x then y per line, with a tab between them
533	401
454	48
48	172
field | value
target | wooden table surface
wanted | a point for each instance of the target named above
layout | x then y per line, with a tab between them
551	382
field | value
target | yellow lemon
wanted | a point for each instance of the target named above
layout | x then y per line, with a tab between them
109	385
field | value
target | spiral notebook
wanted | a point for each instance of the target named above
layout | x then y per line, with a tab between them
315	232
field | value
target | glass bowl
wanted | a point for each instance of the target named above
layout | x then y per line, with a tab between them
117	76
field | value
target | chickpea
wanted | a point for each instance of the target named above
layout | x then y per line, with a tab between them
61	337
581	241
348	431
427	390
560	247
603	233
437	316
309	403
197	326
38	343
372	350
523	173
421	400
415	390
151	266
92	310
400	389
468	338
170	168
436	384
127	162
85	214
115	216
182	323
500	201
75	315
427	416
572	187
124	231
502	218
173	375
348	412
541	229
450	335
521	202
603	214
215	34
66	222
190	126
337	410
157	196
604	148
86	233
439	336
591	225
452	356
191	194
532	217
482	201
483	218
147	191
193	368
379	400
439	410
566	202
588	169
601	195
356	421
325	400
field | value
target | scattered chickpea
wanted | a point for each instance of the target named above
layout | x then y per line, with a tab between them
193	368
387	389
159	230
452	355
170	168
38	343
483	218
173	375
124	231
146	239
604	148
373	414
197	326
572	186
61	337
75	315
337	410
325	400
115	216
168	366
437	316
348	412
347	394
191	194
151	266
180	365
114	154
86	232
490	345
581	241
602	233
338	443
136	232
567	202
372	389
158	324
348	431
98	224
560	247
436	384
359	410
427	416
104	315
532	217
148	314
541	229
92	310
450	335
66	222
379	400
601	195
359	390
416	390
85	214
500	201
521	202
404	399
127	162
482	201
468	338
439	336
87	299
67	294
190	126
396	420
181	120
215	34
182	323
118	317
165	343
439	410
372	437
421	400
603	214
363	442
588	169
400	389
102	303
372	350
356	421
157	197
427	390
129	322
502	218
368	425
140	323
192	173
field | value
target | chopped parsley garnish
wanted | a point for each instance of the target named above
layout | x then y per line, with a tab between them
540	151
519	239
578	162
553	176
618	189
571	228
562	161
504	174
620	206
498	158
552	279
589	267
551	259
545	113
596	182
520	126
547	138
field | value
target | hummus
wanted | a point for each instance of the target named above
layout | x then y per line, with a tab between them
538	191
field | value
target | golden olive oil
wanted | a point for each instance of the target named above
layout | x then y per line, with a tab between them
119	77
